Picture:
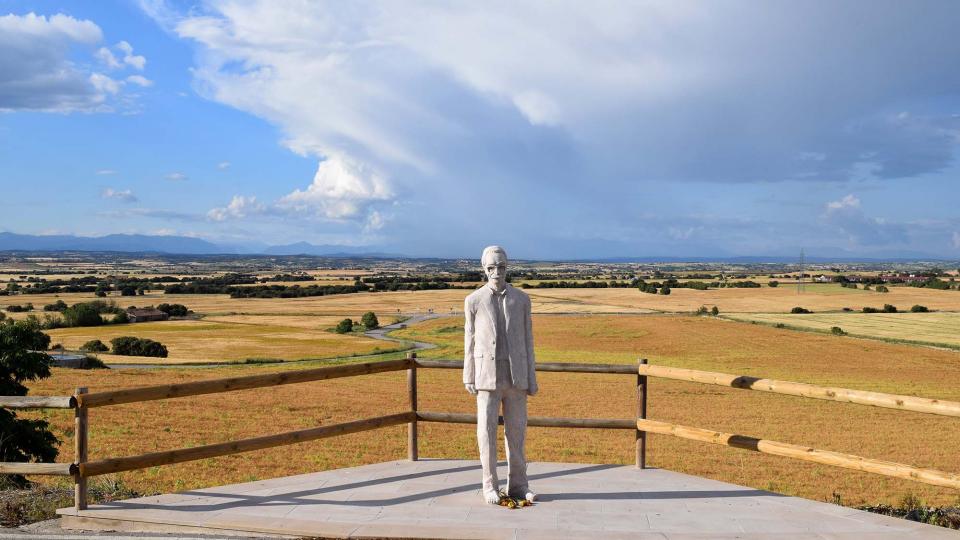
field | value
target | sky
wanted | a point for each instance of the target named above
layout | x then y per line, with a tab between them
556	129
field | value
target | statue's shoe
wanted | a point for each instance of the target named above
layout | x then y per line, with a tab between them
527	494
491	497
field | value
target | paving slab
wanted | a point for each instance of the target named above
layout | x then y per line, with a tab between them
437	498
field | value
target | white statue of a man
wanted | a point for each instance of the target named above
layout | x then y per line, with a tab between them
498	367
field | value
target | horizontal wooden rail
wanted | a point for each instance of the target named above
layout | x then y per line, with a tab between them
533	421
167	391
107	466
860	397
565	367
50	469
805	453
38	402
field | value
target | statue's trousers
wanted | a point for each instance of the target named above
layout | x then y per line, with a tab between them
515	427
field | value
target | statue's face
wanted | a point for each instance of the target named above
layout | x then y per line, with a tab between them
495	266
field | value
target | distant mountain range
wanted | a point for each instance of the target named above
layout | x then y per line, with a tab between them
141	243
183	245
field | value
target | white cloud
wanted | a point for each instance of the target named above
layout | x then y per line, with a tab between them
223	165
176	176
106	172
124	195
341	189
107	58
40	72
139	80
847	216
239	207
137	61
850	201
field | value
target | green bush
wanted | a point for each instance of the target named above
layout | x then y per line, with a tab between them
370	321
837	331
134	346
882	288
702	310
345	326
867	309
919	309
94	345
773	283
174	310
714	311
120	318
59	305
889	308
799	310
665	290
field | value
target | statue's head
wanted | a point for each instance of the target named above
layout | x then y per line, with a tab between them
494	263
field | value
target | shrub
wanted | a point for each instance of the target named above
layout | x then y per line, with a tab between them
702	310
128	290
882	288
92	362
345	326
94	345
59	305
867	309
799	310
714	311
23	439
83	314
665	290
120	318
369	321
134	346
773	283
847	309
889	308
919	309
174	310
837	331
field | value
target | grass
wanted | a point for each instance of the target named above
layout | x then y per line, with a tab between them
937	329
687	341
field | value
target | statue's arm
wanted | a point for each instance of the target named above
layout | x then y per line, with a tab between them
532	387
468	367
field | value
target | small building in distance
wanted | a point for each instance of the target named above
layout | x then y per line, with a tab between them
146	314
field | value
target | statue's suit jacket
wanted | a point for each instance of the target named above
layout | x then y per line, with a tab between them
480	339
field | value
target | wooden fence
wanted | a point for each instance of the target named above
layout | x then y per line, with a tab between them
82	400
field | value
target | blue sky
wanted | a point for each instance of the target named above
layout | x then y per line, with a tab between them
558	130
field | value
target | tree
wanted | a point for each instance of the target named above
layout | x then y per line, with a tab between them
23	440
134	346
800	310
344	326
919	309
94	345
128	290
174	310
715	311
120	318
665	290
59	305
369	321
889	308
773	283
82	314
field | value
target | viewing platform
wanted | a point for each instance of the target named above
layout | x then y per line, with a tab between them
441	499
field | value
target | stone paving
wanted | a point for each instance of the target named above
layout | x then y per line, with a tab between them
441	499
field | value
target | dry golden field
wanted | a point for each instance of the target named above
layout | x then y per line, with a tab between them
818	297
938	329
229	338
687	341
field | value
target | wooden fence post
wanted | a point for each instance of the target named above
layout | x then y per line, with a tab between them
641	436
80	453
412	453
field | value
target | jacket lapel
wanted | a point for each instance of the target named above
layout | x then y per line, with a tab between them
486	304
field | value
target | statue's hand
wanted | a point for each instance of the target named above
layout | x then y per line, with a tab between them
472	388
